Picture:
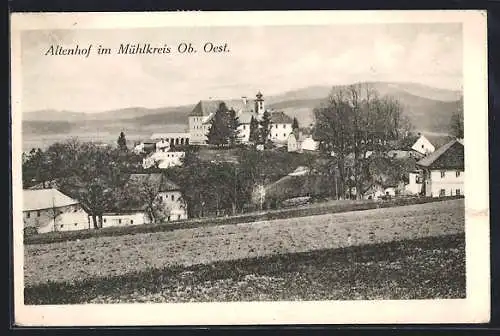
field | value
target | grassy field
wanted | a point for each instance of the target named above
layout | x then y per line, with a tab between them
321	208
118	256
426	268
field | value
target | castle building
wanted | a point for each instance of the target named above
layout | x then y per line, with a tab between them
199	119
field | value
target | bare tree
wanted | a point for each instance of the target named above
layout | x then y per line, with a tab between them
355	120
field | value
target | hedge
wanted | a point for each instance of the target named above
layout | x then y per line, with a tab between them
300	211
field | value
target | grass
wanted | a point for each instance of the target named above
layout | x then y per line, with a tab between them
427	268
302	211
116	256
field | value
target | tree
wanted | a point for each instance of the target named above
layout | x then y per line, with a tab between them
265	128
233	124
122	142
254	131
219	131
295	124
457	121
353	121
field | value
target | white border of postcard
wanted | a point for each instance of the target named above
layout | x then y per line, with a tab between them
474	309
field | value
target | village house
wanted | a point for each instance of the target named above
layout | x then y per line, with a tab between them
423	146
46	210
297	142
415	183
443	170
163	159
168	203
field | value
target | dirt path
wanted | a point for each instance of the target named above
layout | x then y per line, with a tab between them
106	256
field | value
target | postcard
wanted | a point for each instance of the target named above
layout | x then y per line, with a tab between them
293	167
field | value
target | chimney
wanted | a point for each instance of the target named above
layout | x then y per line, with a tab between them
244	100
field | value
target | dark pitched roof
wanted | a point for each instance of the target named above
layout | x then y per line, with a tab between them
205	108
280	118
449	156
438	140
245	117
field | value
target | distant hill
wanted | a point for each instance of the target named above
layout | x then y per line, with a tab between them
428	108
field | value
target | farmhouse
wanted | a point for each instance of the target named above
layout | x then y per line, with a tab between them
46	210
166	203
443	170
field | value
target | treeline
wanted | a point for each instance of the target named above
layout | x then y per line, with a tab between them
222	188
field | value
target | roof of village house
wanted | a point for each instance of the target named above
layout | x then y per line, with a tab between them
449	156
280	117
438	140
205	108
39	199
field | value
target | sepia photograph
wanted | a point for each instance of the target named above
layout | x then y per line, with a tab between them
284	167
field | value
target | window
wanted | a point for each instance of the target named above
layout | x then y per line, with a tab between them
62	226
76	224
244	127
119	221
131	221
28	214
284	135
442	192
104	220
161	198
457	173
172	197
457	192
178	217
168	219
443	173
38	213
284	126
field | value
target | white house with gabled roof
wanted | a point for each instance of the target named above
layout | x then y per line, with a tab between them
46	210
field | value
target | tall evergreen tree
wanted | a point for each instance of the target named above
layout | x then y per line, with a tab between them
295	124
233	124
265	128
122	142
219	131
254	131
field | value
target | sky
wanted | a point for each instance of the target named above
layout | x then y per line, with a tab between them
272	59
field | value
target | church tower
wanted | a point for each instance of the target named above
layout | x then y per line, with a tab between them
259	104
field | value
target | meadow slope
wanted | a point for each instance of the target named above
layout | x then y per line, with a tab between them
115	256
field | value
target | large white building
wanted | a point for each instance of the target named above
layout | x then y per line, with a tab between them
443	170
46	210
168	200
199	119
